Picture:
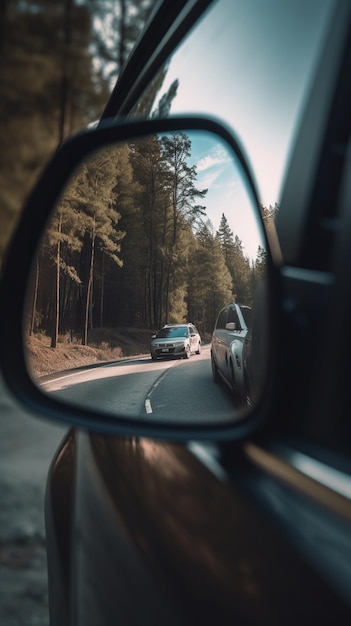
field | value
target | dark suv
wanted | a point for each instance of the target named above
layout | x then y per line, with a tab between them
228	338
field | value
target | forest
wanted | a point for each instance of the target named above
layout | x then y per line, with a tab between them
139	250
59	61
130	245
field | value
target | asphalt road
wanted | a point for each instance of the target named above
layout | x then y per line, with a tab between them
27	446
180	390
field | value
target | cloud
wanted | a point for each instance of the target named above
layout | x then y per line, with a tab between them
207	162
211	166
209	178
216	157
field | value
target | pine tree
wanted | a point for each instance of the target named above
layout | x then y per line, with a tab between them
210	284
237	263
182	195
62	234
260	265
93	194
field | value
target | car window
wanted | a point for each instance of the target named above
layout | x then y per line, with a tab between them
222	319
233	317
247	315
257	80
172	332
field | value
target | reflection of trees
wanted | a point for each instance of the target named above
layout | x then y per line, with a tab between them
164	106
128	246
237	263
269	213
209	282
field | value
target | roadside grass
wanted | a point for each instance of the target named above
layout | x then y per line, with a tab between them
104	345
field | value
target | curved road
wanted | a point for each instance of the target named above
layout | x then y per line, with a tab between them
167	390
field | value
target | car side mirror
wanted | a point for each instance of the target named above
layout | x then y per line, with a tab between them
230	326
114	242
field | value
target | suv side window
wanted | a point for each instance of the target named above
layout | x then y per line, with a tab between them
247	315
233	317
222	319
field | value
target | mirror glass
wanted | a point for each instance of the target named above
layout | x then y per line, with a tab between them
146	298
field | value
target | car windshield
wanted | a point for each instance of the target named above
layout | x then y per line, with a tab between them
249	64
173	332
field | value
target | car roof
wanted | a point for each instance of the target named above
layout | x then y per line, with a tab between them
177	325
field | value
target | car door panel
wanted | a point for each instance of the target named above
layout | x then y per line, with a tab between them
160	535
59	523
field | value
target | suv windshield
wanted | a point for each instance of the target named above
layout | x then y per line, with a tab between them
173	332
249	64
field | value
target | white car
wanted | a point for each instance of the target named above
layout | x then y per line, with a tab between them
176	340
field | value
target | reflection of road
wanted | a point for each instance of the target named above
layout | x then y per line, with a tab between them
172	390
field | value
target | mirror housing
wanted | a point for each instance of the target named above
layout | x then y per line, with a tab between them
40	203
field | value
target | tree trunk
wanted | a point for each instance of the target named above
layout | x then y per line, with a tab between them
56	315
89	292
35	297
102	291
64	120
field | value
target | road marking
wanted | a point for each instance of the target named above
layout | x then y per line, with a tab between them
148	407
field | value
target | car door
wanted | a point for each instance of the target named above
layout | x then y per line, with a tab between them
192	338
235	341
219	343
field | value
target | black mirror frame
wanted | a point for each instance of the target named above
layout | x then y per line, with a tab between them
14	282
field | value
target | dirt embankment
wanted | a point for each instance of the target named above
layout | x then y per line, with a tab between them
104	345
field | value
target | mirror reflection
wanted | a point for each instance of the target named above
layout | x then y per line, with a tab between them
143	296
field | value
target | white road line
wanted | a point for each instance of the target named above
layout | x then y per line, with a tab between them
148	407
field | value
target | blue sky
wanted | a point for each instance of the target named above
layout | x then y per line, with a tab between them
249	63
218	172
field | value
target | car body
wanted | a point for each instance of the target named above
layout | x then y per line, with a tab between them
255	346
246	523
228	337
176	340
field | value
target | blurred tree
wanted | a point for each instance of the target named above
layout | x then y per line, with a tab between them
118	23
260	265
53	82
269	214
163	108
48	88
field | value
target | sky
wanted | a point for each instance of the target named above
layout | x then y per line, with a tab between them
219	172
250	64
